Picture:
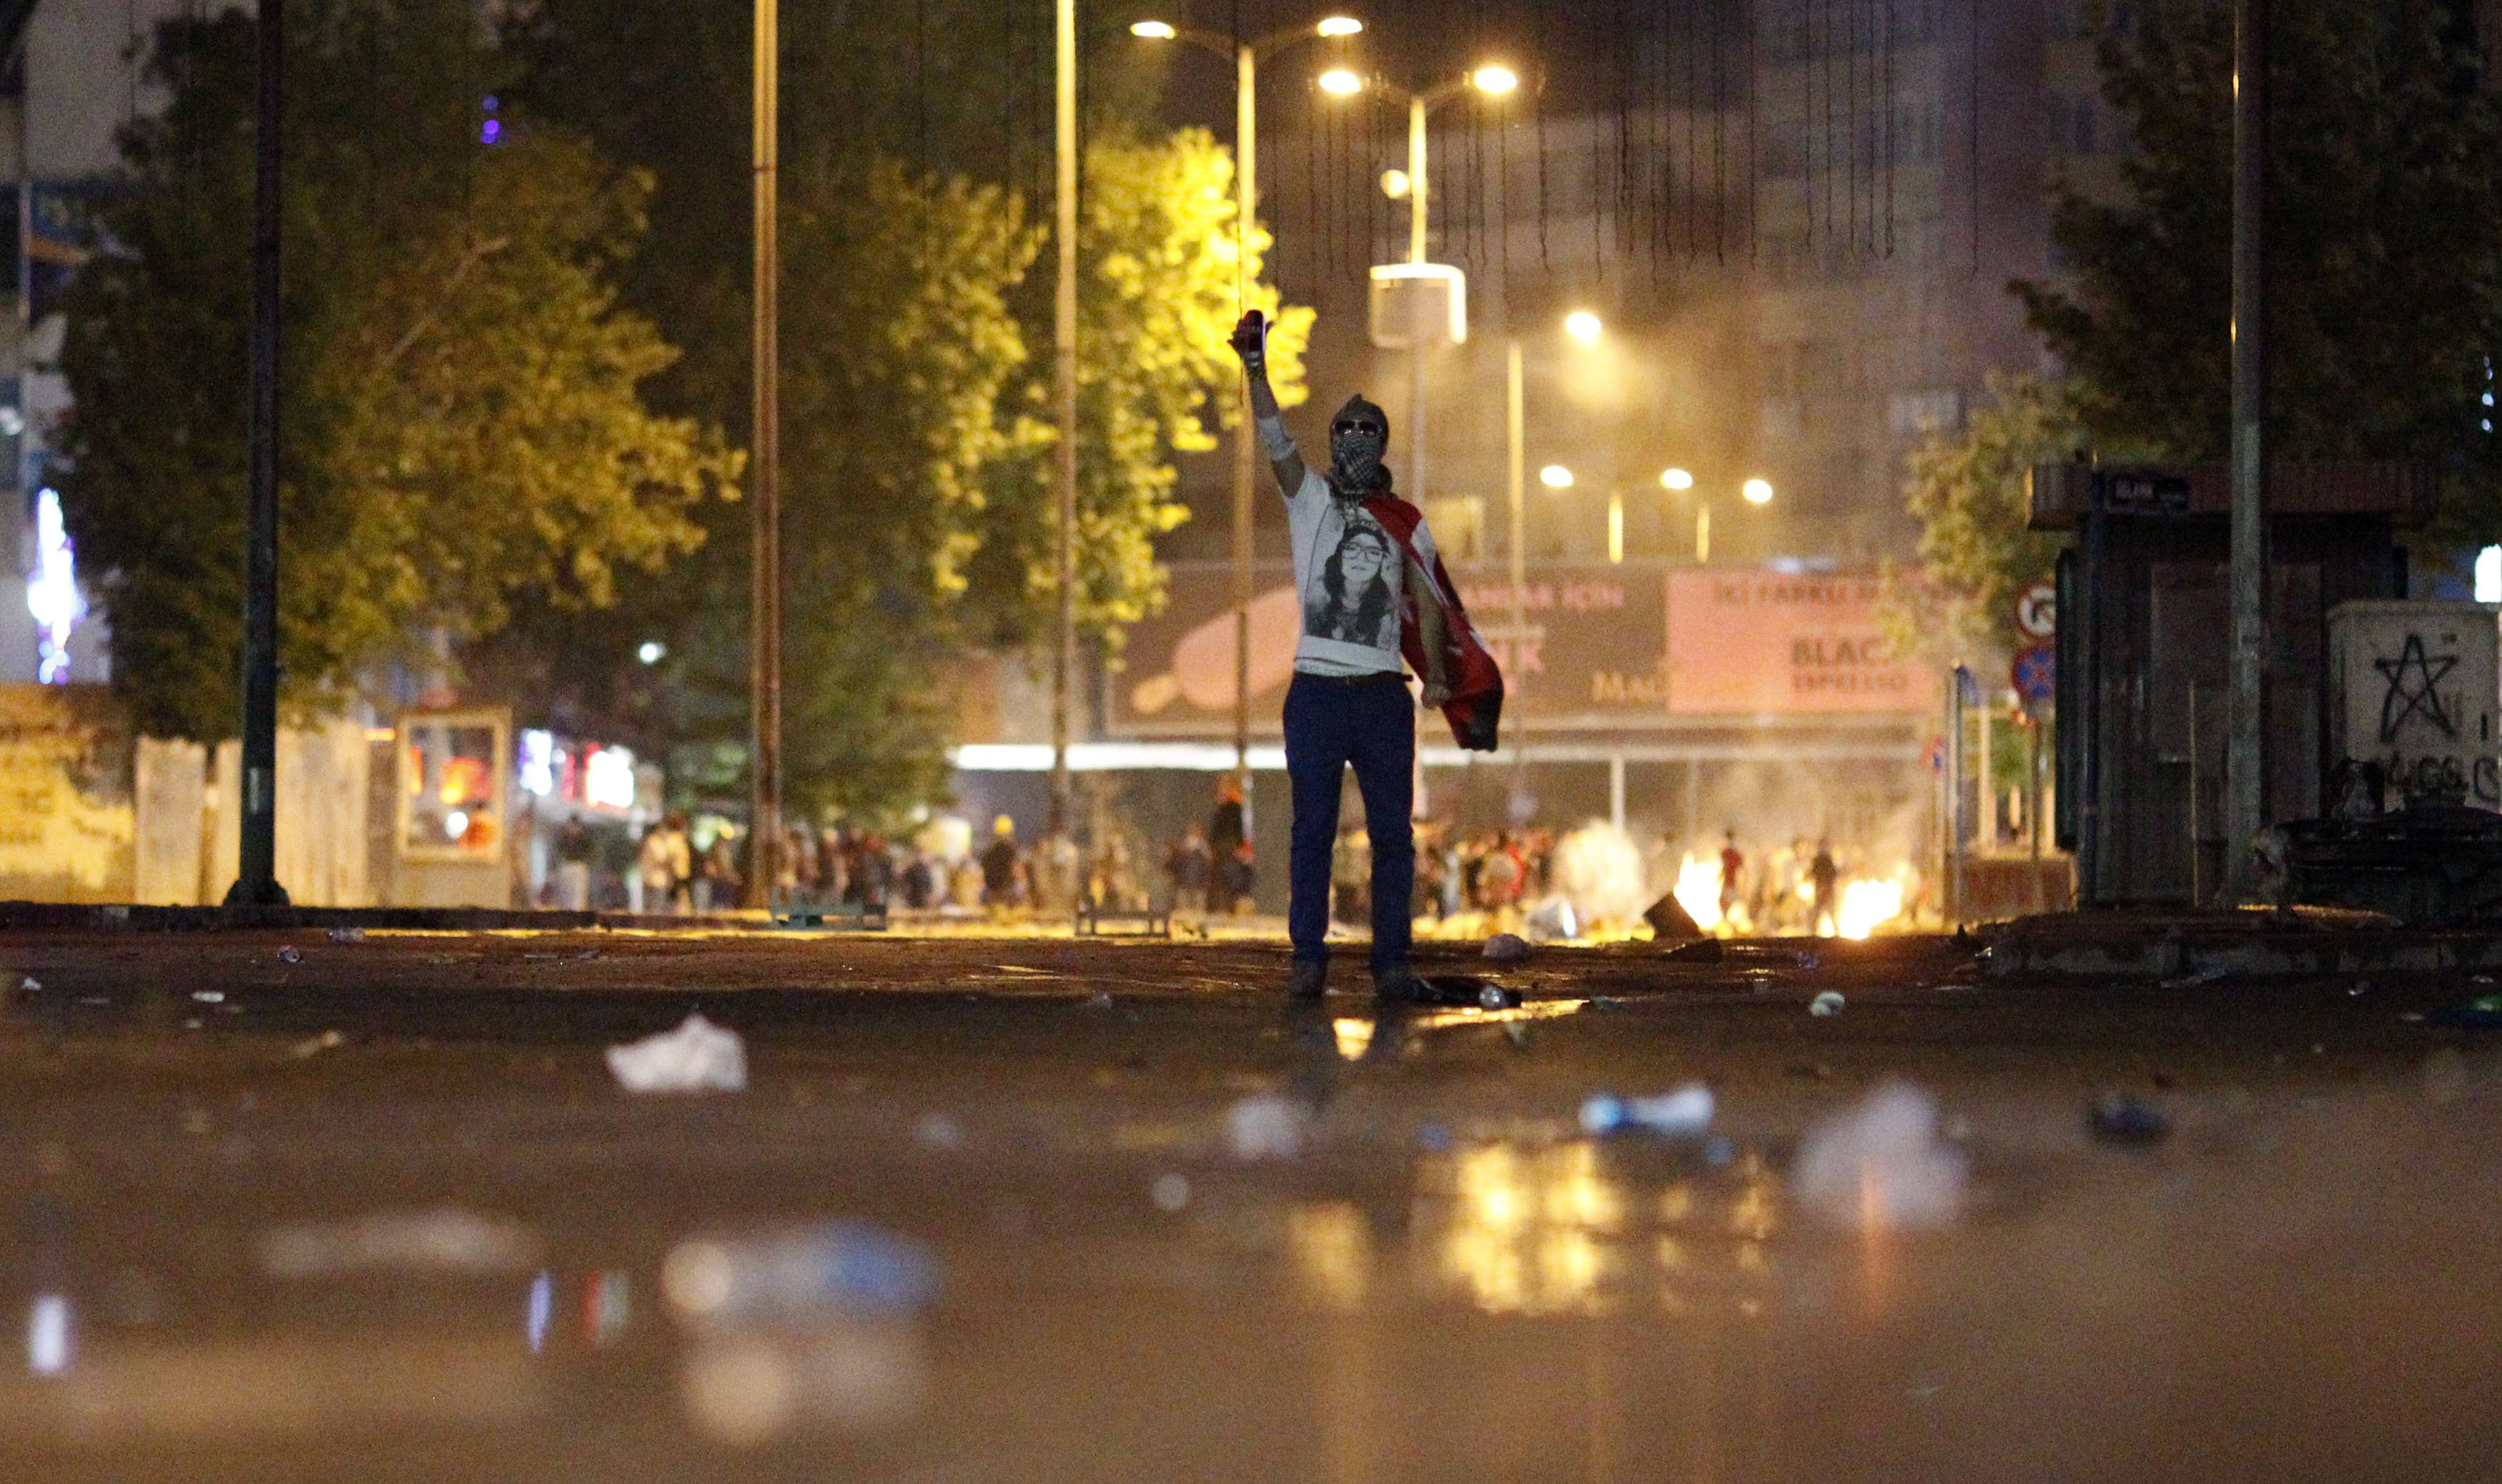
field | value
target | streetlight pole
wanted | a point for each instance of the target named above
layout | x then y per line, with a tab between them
1517	426
1422	328
256	876
1496	81
1247	164
764	847
2246	735
1063	654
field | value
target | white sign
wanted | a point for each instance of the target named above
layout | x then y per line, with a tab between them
2416	695
2036	610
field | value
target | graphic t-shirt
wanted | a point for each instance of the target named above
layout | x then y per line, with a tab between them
1349	574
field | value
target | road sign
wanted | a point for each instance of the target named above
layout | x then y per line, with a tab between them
2036	610
2035	673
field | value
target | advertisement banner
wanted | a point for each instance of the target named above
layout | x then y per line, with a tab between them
1594	644
1771	643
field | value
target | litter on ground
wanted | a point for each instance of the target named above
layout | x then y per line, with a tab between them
698	1057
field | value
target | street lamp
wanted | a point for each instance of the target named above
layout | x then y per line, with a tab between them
1490	79
1246	54
1677	479
1555	476
1758	491
1583	327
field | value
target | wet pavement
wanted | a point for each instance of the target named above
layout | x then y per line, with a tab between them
1035	1209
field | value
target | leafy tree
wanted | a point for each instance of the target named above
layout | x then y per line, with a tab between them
1160	286
1968	491
464	435
2385	242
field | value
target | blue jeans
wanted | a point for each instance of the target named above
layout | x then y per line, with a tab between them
1370	723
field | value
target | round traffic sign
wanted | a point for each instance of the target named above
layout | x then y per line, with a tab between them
2035	673
2037	608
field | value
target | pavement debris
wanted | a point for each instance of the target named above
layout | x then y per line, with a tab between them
209	997
1170	1193
2116	1118
289	955
1684	1113
1506	947
1701	950
1603	1003
30	985
1101	1000
1671	922
347	934
444	1240
938	1132
698	1057
1266	1127
1553	920
1826	1004
1465	990
1881	1164
2483	1013
2208	975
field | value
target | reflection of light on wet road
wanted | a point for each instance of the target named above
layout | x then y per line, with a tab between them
535	1312
48	1335
1533	1228
1354	1033
1332	1251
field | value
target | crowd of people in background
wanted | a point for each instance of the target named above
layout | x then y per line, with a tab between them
1208	871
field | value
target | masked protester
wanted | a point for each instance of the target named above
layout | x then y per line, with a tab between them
1372	589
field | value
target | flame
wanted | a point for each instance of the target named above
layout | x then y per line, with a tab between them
1698	891
1867	904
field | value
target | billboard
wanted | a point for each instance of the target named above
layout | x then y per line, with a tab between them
1593	645
1772	643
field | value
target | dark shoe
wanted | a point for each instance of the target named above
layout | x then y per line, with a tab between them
1396	982
1308	981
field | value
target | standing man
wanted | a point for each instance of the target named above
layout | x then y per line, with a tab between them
1372	588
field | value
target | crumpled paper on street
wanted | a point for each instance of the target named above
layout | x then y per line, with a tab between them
698	1057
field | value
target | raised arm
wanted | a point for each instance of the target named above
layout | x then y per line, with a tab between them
1251	343
1435	635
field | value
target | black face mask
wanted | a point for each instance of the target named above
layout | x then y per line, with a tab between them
1356	445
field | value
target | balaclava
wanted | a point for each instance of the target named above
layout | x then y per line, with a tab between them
1359	435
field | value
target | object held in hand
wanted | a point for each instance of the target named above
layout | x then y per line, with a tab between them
1251	340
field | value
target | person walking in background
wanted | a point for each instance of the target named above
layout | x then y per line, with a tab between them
718	879
1191	867
1372	591
1733	867
1000	865
664	867
1824	877
1226	833
574	849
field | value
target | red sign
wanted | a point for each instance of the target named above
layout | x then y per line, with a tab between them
1769	643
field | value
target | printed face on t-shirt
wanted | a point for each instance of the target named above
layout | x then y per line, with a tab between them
1352	601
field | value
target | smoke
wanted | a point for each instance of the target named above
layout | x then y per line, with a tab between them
1599	869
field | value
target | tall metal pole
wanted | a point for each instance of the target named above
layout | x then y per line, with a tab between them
1246	148
1516	431
1416	220
764	608
256	875
1064	660
2246	743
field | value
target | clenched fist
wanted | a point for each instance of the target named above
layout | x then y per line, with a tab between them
1250	341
